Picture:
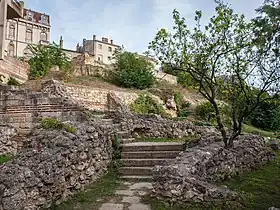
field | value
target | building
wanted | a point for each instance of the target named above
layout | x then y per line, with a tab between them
32	28
9	9
102	50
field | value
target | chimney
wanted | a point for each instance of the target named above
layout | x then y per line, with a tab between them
112	42
61	42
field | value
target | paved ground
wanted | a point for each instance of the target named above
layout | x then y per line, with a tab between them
128	197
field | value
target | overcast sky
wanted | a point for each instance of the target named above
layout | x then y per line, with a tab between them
132	23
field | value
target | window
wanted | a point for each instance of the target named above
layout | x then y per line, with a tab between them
12	32
43	36
110	49
44	19
100	46
109	57
100	57
11	49
28	37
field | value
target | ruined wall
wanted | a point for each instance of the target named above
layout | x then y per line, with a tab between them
161	76
89	98
11	67
22	108
55	165
192	176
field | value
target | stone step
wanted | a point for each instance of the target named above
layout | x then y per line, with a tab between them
107	121
150	155
153	146
123	134
128	140
137	178
132	171
144	162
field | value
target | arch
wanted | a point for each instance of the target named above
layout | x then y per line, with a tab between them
12	31
11	49
43	36
28	37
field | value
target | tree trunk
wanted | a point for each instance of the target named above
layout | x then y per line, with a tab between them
220	124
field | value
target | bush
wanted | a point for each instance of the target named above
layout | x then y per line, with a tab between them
13	81
5	158
266	116
205	111
132	71
45	57
182	107
53	123
145	104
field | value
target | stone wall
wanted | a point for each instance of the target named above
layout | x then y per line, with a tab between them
89	98
7	146
55	165
191	177
22	108
11	67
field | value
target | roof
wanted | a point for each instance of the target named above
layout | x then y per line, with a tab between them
36	17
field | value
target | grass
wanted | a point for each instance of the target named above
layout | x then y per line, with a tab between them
93	195
5	158
252	129
260	190
184	139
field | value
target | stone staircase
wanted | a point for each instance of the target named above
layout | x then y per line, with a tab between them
138	158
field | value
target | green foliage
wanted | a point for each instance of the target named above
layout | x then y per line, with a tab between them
53	123
266	116
182	107
132	71
221	58
5	158
205	111
145	104
45	57
116	156
13	81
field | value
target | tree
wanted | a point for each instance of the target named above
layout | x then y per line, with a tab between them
45	57
132	71
222	60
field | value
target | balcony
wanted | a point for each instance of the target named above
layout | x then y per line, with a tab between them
14	9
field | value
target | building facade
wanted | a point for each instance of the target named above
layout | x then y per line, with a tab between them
32	28
102	50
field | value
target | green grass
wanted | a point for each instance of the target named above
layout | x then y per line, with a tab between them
5	158
252	129
93	195
184	139
260	190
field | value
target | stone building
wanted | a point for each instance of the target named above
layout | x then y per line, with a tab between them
32	28
9	9
102	50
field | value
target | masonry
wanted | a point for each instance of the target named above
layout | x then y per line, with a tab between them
21	108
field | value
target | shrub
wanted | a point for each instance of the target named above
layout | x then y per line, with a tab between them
116	153
53	123
266	116
5	158
13	81
145	104
45	57
205	111
182	107
132	71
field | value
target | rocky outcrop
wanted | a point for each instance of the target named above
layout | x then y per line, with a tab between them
55	164
192	176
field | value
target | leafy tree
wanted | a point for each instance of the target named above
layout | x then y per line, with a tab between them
223	60
13	81
45	57
132	71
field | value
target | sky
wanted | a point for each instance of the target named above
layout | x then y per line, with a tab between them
131	23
